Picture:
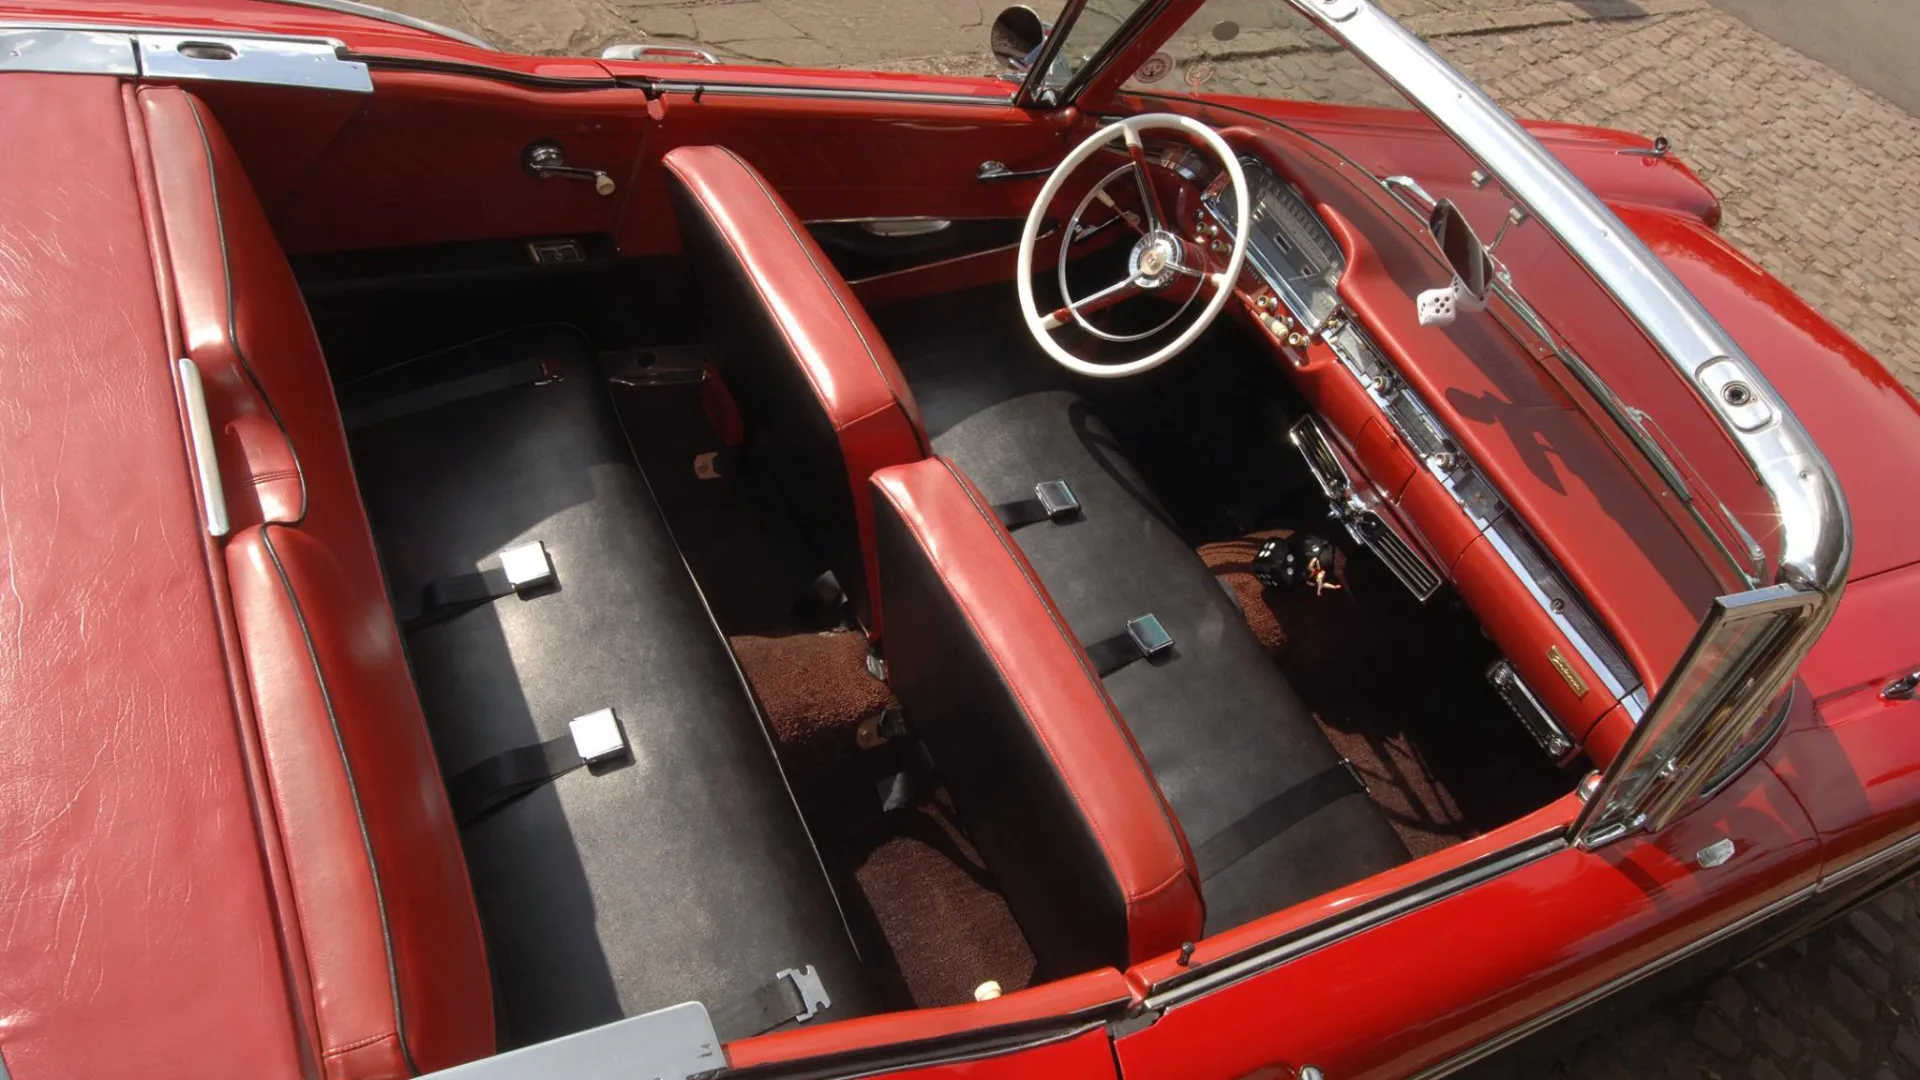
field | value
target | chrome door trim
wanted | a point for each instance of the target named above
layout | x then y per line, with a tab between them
1608	989
1226	971
67	51
1891	853
688	86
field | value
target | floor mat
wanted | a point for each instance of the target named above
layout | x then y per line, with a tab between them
1399	688
925	912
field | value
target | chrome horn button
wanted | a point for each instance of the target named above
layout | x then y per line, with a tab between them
1155	259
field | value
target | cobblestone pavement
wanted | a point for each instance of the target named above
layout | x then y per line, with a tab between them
1821	183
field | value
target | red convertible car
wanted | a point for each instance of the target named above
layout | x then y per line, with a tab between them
1211	552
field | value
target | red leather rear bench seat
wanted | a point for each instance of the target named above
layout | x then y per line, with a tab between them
682	873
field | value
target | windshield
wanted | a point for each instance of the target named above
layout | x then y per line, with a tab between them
1265	59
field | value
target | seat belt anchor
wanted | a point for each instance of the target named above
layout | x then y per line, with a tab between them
527	566
1056	499
597	736
813	992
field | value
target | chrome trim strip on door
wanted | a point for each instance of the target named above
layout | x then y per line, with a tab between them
1891	853
688	86
1229	970
1515	1034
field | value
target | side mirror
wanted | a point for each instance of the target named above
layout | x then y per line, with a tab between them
1463	249
1016	37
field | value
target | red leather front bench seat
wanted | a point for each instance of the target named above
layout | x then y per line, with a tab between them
386	948
1043	769
823	401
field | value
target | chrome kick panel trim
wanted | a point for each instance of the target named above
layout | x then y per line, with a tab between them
1356	508
1553	739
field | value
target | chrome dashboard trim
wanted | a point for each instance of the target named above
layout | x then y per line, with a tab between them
1816	534
1506	534
705	86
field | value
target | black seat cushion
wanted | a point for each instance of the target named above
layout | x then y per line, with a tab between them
1222	730
685	874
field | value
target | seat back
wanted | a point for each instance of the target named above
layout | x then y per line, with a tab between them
823	401
1042	768
387	954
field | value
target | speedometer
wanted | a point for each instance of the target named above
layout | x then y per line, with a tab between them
1290	246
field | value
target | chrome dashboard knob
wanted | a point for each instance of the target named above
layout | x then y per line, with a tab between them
1266	302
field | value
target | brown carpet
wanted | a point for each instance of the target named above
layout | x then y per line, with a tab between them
924	911
1399	689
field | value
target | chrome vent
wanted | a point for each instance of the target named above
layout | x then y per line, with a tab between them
1366	526
1312	444
1413	571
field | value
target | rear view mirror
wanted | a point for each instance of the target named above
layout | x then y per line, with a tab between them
1463	249
1016	37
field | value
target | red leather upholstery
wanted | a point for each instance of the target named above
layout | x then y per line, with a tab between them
142	929
388	935
1057	795
784	328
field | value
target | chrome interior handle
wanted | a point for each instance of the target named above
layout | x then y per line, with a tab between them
545	160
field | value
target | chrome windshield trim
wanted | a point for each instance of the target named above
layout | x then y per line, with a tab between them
380	14
1816	536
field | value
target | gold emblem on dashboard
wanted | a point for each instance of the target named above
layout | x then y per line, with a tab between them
1574	682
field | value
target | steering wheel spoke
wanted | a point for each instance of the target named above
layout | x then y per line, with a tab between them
1149	195
1100	301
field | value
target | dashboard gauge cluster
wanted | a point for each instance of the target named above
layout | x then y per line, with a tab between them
1290	247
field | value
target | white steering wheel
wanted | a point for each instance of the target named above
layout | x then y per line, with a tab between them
1159	257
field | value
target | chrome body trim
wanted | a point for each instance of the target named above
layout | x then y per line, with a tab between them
380	14
1891	853
637	51
1229	970
688	86
1608	989
172	54
67	51
315	65
1816	533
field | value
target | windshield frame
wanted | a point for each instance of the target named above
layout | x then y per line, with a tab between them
1816	537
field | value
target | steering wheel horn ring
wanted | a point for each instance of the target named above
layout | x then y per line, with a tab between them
1157	258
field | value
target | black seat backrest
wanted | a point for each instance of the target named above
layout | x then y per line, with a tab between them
823	402
1042	769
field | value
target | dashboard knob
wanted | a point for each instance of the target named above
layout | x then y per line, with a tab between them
1266	302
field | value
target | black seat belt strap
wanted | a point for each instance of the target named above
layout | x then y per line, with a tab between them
483	788
795	995
1052	500
1143	639
432	396
524	568
1276	816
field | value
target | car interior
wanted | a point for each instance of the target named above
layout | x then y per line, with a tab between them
776	648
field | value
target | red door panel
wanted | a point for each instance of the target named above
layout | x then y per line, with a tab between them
1442	979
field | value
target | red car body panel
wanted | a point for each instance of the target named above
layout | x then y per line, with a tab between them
139	766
